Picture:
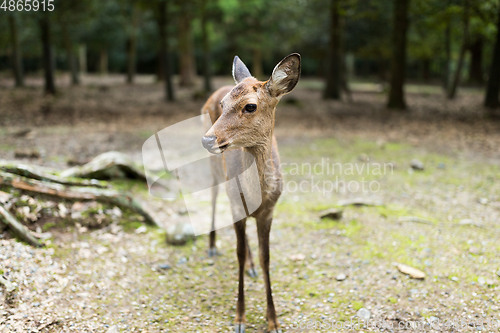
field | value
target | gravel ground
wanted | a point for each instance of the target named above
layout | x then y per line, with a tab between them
121	278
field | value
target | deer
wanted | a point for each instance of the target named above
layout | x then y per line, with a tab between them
243	118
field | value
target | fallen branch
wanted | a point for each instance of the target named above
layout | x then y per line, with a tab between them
76	193
30	172
17	228
360	202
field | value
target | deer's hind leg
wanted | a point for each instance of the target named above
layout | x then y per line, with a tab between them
241	251
212	249
264	222
250	265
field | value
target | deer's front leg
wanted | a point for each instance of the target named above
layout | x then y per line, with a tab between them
212	249
241	251
263	229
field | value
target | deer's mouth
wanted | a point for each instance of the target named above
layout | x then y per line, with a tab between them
223	147
218	149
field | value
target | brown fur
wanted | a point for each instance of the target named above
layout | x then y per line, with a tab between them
251	132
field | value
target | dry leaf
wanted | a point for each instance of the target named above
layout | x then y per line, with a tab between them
412	272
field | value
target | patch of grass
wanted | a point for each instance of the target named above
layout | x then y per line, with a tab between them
6	147
47	226
357	305
392	300
130	225
129	185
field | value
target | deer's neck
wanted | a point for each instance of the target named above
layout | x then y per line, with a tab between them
265	165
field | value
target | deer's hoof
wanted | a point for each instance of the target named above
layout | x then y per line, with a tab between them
273	327
212	252
239	328
252	273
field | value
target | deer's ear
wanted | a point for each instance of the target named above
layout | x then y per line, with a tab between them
240	71
285	75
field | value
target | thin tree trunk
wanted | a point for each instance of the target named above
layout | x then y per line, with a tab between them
447	60
456	78
132	46
186	49
82	58
103	61
48	61
73	65
163	20
492	89
162	32
334	75
476	62
207	73
396	94
70	54
17	60
257	70
160	70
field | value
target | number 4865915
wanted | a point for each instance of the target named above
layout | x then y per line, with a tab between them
27	5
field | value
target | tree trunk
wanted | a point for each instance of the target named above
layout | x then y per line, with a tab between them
186	48
334	66
71	57
396	94
162	33
257	70
452	92
207	73
456	78
165	60
103	61
17	60
447	60
492	90
132	46
476	63
82	58
73	66
48	61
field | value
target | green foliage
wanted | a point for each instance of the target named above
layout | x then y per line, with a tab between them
259	31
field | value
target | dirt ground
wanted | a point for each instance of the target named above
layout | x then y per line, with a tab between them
324	272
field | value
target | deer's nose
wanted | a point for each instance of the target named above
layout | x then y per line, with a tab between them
208	141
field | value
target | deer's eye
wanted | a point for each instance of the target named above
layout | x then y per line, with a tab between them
250	108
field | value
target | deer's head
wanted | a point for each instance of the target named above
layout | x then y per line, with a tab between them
247	118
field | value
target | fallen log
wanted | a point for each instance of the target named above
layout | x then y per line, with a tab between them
107	166
17	228
30	172
122	200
